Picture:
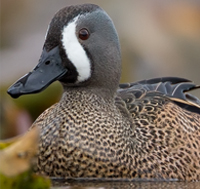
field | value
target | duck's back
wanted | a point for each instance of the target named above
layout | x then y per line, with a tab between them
167	126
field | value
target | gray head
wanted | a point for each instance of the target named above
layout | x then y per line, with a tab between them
81	49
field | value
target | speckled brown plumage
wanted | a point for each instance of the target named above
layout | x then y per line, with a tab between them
143	135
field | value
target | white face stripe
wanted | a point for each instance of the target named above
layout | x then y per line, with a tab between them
75	52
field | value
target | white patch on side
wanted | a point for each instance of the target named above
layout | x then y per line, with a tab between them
75	52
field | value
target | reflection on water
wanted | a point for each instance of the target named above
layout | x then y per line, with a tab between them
136	184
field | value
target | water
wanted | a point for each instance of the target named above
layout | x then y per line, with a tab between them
135	184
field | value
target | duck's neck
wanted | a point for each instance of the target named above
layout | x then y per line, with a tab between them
88	95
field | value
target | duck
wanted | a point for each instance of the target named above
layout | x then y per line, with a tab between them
103	129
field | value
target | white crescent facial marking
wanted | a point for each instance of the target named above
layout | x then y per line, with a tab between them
75	52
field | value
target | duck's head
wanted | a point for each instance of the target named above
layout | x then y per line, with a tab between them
81	49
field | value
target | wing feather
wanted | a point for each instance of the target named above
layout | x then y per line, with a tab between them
173	88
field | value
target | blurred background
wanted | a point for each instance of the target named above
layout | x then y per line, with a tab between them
158	38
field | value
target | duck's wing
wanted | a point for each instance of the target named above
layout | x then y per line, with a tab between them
167	89
164	121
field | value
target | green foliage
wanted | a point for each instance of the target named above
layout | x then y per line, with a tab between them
25	180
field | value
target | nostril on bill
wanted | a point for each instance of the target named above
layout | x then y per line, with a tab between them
47	62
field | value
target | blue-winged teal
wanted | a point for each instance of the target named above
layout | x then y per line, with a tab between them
148	129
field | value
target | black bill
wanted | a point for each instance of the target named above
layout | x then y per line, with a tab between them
48	70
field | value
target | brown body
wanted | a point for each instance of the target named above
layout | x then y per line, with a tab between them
146	137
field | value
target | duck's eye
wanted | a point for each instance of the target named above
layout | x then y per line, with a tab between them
83	34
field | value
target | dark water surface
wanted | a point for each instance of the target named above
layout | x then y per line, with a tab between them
138	184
